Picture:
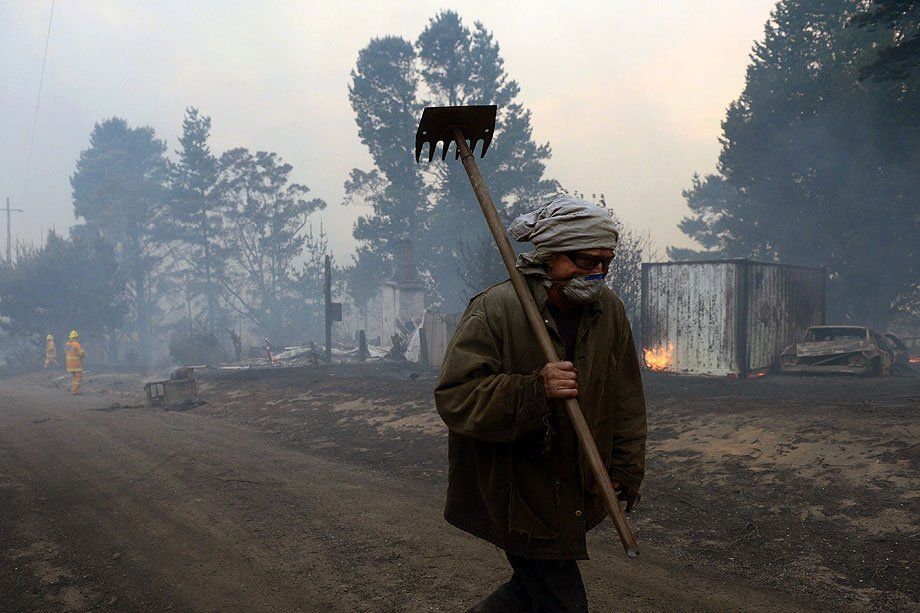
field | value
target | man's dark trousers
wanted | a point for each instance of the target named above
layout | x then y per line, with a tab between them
538	586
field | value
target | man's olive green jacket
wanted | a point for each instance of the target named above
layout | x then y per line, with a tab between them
517	478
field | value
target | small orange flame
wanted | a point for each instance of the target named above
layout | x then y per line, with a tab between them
762	373
659	359
915	359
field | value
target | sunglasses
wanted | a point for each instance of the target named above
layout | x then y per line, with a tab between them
589	262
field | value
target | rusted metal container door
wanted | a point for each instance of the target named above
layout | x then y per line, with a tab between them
782	302
689	317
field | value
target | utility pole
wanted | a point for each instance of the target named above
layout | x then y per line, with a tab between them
9	233
333	309
328	301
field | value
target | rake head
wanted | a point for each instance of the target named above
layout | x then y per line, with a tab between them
438	122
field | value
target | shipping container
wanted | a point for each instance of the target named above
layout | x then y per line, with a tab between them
726	317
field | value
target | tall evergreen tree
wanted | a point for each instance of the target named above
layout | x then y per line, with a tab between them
119	191
818	167
433	205
463	67
195	219
384	96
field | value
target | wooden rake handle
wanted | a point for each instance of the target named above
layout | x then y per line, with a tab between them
598	469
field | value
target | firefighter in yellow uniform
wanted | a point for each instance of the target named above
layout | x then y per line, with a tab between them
74	361
50	352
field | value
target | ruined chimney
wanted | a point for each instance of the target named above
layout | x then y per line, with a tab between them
406	273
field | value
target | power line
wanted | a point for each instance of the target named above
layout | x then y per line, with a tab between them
38	100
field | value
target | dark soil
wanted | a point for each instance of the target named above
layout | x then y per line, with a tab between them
320	488
806	485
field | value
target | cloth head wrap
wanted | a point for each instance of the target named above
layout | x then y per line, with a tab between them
565	223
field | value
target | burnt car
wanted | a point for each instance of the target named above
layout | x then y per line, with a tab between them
841	350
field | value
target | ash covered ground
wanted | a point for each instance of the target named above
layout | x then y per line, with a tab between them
326	482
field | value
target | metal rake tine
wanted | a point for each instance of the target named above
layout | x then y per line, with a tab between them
418	150
437	125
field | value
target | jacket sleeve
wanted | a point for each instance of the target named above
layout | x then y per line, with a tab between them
627	465
477	400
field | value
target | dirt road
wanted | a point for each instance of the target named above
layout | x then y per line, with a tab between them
310	490
129	509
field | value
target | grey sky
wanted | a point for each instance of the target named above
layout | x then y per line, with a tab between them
630	95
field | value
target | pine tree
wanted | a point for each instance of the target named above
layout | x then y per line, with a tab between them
119	191
384	95
463	67
433	205
195	219
818	167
